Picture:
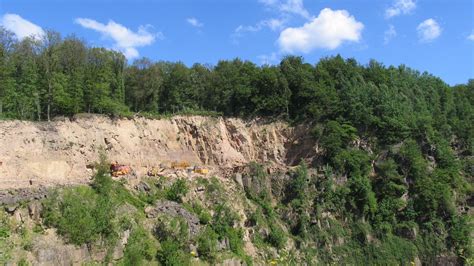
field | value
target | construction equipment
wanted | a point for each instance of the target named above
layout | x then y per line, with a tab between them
117	169
201	170
179	165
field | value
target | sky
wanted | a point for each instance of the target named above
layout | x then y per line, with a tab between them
436	36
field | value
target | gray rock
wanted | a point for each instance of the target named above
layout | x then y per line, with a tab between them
34	210
11	208
143	187
223	244
14	196
238	179
174	209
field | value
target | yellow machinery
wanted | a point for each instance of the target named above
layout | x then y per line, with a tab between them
201	170
179	165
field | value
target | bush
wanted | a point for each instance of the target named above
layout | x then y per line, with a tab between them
207	244
277	236
74	215
172	228
140	248
171	253
204	216
177	190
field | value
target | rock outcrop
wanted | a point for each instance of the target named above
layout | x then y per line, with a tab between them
36	154
173	209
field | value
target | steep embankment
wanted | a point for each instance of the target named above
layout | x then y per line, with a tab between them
59	152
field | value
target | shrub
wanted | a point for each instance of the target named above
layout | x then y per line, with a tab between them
177	190
171	253
74	215
140	247
277	236
204	216
207	244
172	228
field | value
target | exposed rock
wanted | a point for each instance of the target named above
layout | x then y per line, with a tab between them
14	196
174	209
232	262
238	179
120	248
11	208
49	250
223	244
58	152
143	187
34	210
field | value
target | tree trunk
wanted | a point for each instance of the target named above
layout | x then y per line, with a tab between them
49	100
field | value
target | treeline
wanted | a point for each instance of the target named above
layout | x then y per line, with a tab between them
53	76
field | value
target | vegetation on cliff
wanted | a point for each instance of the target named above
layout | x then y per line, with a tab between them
394	180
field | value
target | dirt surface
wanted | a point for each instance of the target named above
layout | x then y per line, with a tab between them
59	152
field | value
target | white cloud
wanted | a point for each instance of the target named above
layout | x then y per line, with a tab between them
428	30
273	24
471	37
389	34
21	27
125	40
400	7
289	7
194	22
295	7
329	30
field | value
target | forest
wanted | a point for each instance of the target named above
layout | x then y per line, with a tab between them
423	127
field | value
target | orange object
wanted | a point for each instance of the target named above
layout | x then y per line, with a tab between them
119	169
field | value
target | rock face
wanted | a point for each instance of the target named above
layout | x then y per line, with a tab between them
174	209
58	153
15	196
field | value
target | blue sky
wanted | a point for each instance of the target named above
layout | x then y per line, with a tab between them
428	35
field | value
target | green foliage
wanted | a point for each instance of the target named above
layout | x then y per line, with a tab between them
204	215
177	190
223	224
140	248
277	236
207	244
259	190
336	137
5	229
74	215
172	228
459	236
171	253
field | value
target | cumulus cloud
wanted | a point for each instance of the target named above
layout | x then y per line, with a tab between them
194	22
21	27
328	30
289	7
400	7
389	34
428	30
125	39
